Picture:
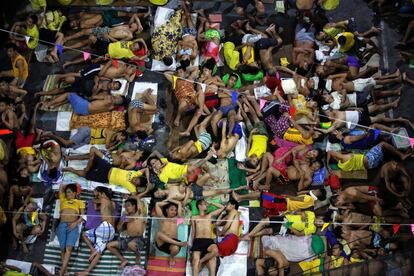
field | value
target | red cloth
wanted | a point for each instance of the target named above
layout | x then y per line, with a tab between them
211	100
228	245
22	141
139	63
274	204
192	178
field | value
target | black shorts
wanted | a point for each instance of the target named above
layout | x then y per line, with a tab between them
101	47
81	86
165	247
99	172
275	224
364	118
90	71
202	245
47	35
235	39
197	191
266	43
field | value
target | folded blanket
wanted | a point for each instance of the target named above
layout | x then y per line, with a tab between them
111	120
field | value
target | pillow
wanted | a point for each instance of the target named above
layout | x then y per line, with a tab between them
317	245
210	208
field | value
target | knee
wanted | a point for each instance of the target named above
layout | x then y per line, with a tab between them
174	249
214	250
133	246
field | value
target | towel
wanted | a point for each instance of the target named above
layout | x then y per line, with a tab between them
111	120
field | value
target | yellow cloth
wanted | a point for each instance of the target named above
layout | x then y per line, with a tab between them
3	218
231	55
293	205
33	33
356	163
300	105
332	31
294	135
244	49
330	4
337	262
159	2
259	145
74	204
26	150
310	267
172	171
123	178
353	260
350	41
53	20
38	4
98	136
2	150
308	227
198	145
16	71
120	50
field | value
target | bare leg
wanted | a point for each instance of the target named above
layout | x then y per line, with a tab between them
65	260
377	108
113	247
214	120
182	107
249	196
192	123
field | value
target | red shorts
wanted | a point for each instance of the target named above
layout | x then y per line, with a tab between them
274	204
192	178
228	245
22	141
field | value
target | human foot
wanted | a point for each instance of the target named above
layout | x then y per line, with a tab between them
184	134
235	196
123	264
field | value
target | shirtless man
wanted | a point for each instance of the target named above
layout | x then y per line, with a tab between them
117	33
187	47
192	149
183	85
97	239
166	239
8	116
86	83
302	171
121	159
230	224
86	20
228	143
339	81
204	250
196	191
138	107
303	54
135	226
11	91
228	105
80	106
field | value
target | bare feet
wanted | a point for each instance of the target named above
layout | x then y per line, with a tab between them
177	122
123	264
396	102
171	262
82	273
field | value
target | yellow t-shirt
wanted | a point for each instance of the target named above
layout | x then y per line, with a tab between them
356	163
172	171
308	227
33	33
300	105
293	205
120	50
26	150
16	71
294	135
244	49
350	41
311	267
259	145
231	55
123	178
38	4
98	136
74	204
337	262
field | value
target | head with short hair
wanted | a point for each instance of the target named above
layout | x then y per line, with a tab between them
154	162
131	205
315	154
103	191
31	20
316	165
168	61
232	205
201	205
185	61
12	50
70	191
320	194
181	70
115	85
318	136
342	40
170	210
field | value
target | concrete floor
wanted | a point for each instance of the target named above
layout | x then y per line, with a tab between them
357	9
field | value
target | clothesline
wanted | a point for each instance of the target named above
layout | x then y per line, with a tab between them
86	56
183	219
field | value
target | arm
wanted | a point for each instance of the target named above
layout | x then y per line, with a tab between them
218	211
20	66
168	76
193	73
105	68
390	187
11	198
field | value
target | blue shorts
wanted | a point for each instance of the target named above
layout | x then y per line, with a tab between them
79	105
374	157
67	237
226	109
236	130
